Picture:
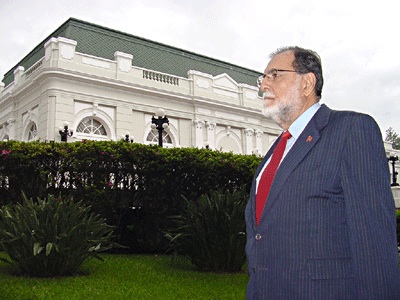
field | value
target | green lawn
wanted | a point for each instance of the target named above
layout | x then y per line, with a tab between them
127	277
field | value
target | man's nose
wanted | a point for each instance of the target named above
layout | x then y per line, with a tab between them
264	84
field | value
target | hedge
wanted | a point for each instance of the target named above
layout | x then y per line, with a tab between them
135	187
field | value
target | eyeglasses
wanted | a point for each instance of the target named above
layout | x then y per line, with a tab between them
271	75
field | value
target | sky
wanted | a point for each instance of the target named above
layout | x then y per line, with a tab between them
357	40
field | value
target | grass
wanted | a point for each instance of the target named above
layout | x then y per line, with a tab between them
127	277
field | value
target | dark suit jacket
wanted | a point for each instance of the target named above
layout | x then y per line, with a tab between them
328	230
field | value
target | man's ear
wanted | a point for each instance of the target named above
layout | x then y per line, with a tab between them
309	82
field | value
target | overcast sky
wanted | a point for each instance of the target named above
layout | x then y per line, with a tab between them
357	40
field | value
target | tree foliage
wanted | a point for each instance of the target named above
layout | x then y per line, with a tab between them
393	137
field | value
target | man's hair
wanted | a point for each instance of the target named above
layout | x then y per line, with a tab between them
305	61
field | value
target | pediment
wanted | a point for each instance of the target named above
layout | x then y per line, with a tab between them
225	81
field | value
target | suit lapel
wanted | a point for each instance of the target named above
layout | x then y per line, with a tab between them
306	141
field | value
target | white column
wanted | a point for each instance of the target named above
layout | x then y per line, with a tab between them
249	140
259	148
10	128
211	134
199	133
396	195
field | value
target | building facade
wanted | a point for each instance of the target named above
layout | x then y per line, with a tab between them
106	99
107	85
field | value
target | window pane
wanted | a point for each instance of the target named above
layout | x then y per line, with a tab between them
91	126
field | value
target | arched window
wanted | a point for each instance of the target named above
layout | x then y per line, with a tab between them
152	138
91	126
32	134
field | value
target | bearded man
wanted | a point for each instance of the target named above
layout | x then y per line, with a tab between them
320	220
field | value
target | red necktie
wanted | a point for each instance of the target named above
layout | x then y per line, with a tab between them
268	175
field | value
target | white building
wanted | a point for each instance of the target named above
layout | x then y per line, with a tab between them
104	84
70	79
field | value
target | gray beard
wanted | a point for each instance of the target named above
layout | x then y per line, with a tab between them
280	114
284	112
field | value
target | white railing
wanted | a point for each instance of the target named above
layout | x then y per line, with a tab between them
160	77
34	68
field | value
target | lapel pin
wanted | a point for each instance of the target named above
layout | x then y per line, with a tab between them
309	139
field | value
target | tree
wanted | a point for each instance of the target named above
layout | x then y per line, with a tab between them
392	136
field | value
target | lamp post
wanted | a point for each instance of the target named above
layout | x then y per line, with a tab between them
65	133
127	139
393	160
160	123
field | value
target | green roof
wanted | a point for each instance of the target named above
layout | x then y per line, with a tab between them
104	42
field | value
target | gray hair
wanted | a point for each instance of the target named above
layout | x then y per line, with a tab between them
305	61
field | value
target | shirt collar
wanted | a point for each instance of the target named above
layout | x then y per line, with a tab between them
301	122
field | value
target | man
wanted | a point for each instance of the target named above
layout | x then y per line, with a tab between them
327	228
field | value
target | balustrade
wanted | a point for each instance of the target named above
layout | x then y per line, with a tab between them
160	77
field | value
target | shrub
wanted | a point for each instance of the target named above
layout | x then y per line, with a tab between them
211	231
134	187
51	237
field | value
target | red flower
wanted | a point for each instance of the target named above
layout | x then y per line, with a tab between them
6	152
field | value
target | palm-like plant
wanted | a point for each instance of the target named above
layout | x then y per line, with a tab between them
211	231
51	237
